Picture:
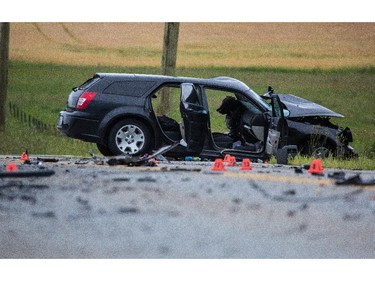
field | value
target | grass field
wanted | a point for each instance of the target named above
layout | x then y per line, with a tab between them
331	64
290	45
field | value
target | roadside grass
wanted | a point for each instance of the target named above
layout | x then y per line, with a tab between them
41	90
360	163
17	138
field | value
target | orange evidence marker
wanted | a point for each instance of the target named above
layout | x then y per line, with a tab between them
316	167
227	158
11	167
25	156
218	165
232	161
246	164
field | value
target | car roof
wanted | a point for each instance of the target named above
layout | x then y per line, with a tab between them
223	82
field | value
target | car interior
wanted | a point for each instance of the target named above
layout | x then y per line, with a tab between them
234	122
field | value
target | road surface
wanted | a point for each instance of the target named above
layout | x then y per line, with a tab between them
88	209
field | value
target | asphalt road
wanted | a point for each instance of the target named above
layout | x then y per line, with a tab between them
183	210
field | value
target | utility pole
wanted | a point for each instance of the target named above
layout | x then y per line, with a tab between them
168	62
4	56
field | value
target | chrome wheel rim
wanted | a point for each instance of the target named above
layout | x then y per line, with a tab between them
130	139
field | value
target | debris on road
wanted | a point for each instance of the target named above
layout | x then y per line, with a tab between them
355	180
23	174
339	175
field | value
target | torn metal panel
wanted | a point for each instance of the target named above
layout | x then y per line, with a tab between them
300	107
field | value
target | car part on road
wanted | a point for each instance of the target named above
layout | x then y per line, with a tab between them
139	160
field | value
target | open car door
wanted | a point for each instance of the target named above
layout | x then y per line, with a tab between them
194	119
278	129
279	126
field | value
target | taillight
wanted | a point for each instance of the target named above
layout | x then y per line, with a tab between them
85	99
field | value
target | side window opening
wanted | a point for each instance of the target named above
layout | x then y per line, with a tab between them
171	120
236	123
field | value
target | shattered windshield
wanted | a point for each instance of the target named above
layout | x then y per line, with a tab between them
256	99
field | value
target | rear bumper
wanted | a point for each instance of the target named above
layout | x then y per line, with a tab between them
77	125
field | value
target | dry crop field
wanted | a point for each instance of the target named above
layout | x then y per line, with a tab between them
285	45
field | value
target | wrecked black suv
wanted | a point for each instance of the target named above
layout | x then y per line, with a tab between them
208	117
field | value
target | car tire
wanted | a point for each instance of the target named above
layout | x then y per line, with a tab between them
104	150
317	149
131	137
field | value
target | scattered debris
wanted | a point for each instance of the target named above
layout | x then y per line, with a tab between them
192	158
147	179
23	174
291	213
28	198
121	179
306	166
302	227
45	159
351	217
128	210
298	170
340	175
355	180
81	162
48	214
236	200
145	160
82	201
304	207
266	194
22	186
179	169
290	192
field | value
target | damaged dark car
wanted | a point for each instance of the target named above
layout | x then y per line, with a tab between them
208	117
311	129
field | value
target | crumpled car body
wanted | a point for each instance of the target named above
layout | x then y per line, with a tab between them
312	131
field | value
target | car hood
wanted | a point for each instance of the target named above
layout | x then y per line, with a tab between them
300	107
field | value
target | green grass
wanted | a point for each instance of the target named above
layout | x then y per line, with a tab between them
41	90
360	163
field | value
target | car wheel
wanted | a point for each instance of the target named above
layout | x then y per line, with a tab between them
130	137
104	150
317	149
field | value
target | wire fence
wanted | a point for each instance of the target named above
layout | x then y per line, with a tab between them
32	122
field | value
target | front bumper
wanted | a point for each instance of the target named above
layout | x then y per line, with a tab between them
77	125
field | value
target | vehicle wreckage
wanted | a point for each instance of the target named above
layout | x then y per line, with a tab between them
118	113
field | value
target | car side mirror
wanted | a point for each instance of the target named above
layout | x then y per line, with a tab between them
286	112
